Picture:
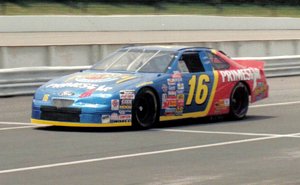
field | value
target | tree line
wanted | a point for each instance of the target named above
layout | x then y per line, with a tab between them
155	2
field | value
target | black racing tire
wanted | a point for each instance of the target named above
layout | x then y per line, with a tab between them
239	102
145	109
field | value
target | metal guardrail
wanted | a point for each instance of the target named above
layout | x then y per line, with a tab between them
279	66
22	81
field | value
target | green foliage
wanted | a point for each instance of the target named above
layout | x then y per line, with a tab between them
288	8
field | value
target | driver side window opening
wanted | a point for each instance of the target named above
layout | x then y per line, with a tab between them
217	62
190	62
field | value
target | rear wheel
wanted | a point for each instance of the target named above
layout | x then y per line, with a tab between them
145	109
239	102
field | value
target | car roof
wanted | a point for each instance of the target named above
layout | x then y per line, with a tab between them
167	47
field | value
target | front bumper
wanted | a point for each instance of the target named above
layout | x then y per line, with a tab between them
73	124
78	116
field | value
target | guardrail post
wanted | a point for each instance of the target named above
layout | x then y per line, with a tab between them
94	55
51	55
296	46
3	55
267	48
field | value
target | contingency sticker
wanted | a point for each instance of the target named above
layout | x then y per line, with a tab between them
46	97
114	104
105	118
173	96
127	94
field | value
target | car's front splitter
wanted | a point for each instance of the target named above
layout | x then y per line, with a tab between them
73	124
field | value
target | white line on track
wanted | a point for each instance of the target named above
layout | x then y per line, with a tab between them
16	128
275	104
267	137
20	126
227	133
15	123
135	155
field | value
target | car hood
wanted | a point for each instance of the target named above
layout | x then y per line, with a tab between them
87	83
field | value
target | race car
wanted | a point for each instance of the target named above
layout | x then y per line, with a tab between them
141	86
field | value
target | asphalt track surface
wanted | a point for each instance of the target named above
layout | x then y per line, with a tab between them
262	149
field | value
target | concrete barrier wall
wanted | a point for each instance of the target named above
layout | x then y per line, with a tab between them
142	23
80	55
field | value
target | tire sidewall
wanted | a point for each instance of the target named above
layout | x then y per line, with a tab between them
241	113
137	123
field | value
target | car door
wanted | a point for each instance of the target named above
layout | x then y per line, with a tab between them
200	82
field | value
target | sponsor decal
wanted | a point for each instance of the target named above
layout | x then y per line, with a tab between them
179	111
240	74
180	105
260	91
103	88
171	81
126	102
180	86
170	111
226	102
66	93
124	111
164	97
125	107
87	93
172	97
127	94
180	97
98	78
177	74
114	104
172	93
165	105
46	97
172	103
114	117
164	88
222	105
72	85
125	117
105	118
169	102
180	91
172	88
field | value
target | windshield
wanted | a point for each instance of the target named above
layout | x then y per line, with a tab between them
136	60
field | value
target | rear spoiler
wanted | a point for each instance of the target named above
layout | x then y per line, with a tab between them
251	63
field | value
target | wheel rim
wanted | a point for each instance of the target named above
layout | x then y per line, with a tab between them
146	110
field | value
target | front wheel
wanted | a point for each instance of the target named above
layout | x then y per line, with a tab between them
239	102
145	109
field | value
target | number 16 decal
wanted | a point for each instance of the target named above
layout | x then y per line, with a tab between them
202	89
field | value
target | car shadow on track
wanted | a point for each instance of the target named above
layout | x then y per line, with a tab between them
167	124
